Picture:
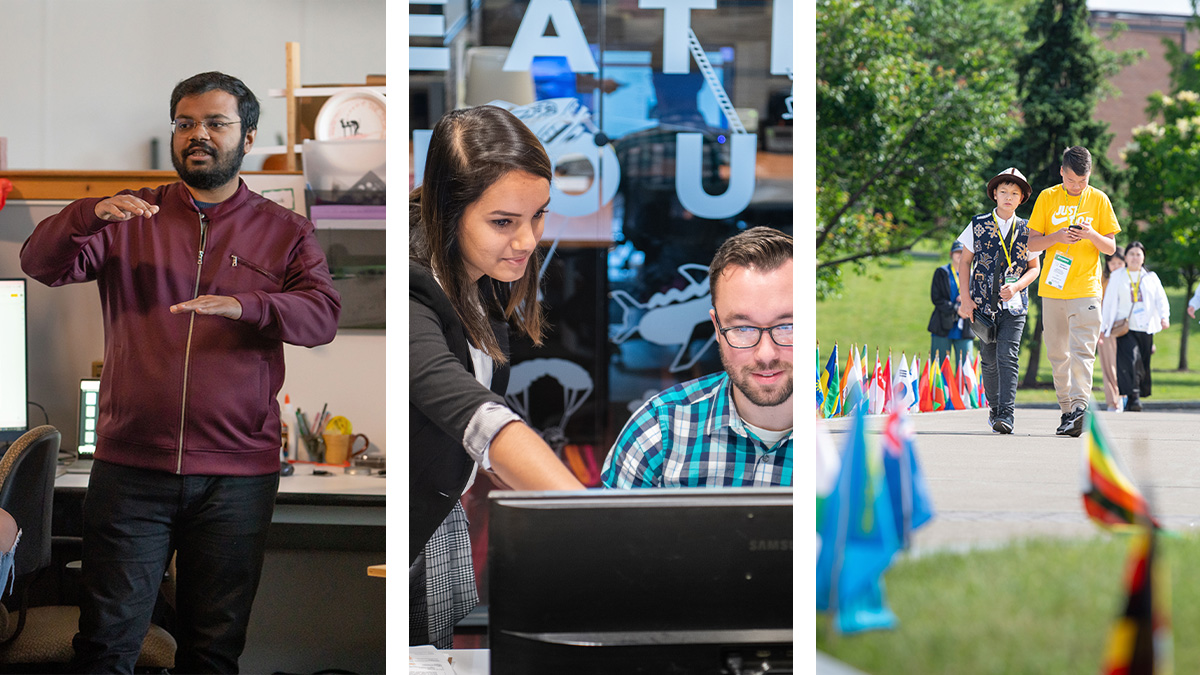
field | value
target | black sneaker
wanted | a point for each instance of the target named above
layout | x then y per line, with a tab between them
1002	426
991	419
1134	405
1075	428
1063	424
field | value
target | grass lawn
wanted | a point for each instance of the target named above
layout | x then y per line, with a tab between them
889	309
1043	606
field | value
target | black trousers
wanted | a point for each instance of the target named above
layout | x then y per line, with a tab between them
1133	363
1000	364
133	519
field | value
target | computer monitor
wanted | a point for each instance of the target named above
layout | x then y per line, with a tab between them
14	361
89	410
644	581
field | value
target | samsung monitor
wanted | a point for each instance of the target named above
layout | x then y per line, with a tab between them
643	581
14	361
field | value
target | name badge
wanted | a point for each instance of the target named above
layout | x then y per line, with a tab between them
1014	302
1056	276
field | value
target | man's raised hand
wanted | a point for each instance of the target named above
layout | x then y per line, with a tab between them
124	207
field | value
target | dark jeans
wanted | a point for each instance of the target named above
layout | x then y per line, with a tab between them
1133	364
998	362
133	519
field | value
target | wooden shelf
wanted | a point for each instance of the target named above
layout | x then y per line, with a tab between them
71	185
324	91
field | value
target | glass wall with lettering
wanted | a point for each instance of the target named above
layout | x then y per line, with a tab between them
669	123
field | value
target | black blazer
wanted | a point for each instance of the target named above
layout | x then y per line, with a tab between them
443	395
945	306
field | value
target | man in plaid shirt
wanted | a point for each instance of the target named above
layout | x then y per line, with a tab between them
733	428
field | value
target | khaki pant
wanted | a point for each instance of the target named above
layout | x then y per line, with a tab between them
1071	329
1108	368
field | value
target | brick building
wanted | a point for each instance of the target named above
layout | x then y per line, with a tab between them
1149	22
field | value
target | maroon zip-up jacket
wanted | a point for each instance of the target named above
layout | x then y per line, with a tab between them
188	393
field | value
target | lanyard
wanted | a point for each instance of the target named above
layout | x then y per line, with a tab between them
1134	285
1006	246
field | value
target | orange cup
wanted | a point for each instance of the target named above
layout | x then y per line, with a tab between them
339	447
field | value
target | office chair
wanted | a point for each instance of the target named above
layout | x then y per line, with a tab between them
39	638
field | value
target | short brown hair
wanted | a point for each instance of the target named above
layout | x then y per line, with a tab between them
1078	160
762	248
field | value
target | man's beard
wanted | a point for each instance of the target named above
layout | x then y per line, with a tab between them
744	381
224	168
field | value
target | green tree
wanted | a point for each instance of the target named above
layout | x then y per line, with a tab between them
1061	79
912	100
1164	198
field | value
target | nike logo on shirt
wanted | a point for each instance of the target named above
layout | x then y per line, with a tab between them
1059	220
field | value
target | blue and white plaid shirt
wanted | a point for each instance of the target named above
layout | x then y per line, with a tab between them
691	436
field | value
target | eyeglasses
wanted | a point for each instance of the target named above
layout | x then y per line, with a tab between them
186	126
745	337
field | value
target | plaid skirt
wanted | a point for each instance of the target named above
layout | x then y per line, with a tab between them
442	583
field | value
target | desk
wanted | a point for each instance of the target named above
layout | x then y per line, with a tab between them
469	661
315	608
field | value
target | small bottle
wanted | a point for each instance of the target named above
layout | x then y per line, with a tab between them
288	449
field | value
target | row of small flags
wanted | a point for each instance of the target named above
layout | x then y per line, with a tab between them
917	387
871	497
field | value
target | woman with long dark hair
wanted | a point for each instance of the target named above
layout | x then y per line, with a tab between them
1136	296
475	222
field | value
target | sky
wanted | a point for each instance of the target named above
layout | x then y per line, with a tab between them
1170	7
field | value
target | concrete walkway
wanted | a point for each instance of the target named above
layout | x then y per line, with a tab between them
989	488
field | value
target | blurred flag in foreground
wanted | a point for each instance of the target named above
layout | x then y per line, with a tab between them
858	536
1111	500
1140	640
911	505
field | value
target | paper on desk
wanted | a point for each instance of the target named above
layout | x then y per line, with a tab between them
427	660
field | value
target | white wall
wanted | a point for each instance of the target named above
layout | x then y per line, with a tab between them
85	84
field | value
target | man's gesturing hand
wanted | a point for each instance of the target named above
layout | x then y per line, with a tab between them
216	305
124	207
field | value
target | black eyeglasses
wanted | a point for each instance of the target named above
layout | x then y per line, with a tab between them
745	337
186	126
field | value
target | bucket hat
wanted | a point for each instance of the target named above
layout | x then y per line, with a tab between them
1009	175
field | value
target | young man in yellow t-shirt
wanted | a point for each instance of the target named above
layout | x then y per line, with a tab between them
1074	223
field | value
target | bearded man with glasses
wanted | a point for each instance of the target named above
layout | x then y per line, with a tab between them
201	283
733	428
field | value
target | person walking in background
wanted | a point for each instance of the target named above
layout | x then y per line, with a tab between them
1074	223
949	333
1194	303
1136	297
999	267
1107	346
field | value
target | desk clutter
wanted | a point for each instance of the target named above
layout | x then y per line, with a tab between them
325	439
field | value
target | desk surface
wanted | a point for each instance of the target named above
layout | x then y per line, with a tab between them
300	487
